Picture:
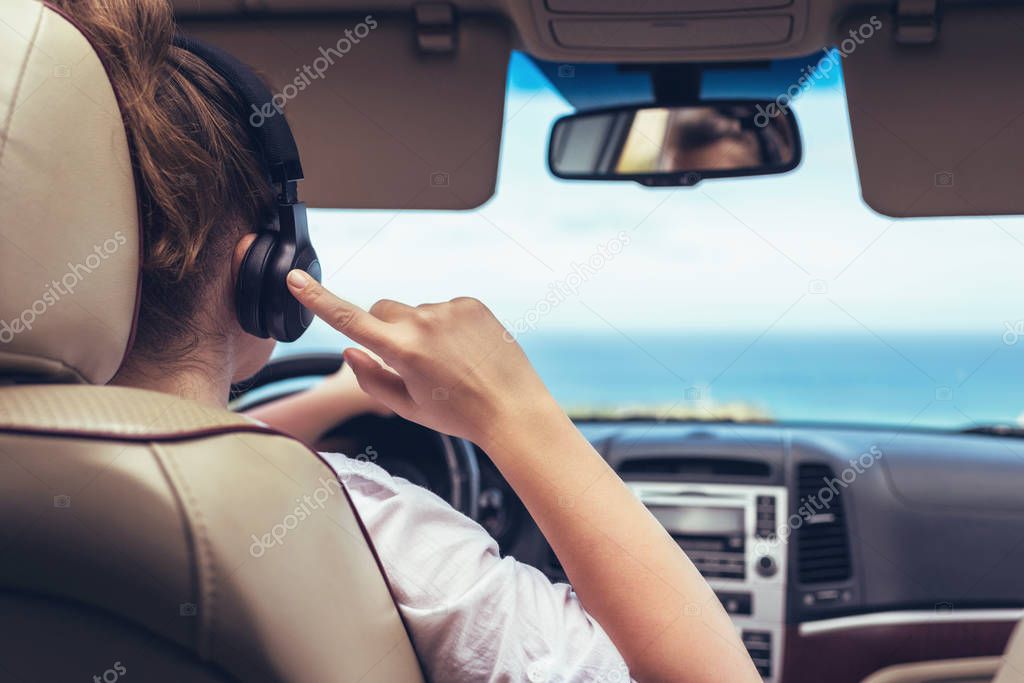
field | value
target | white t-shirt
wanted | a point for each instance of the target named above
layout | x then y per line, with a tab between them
473	615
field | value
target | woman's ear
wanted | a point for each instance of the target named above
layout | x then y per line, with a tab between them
239	254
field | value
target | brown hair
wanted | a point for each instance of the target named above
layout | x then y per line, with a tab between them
201	186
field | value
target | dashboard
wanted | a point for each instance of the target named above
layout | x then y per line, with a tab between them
837	552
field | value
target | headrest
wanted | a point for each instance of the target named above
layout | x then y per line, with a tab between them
69	238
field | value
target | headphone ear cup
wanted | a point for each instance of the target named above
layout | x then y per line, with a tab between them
284	317
301	317
250	297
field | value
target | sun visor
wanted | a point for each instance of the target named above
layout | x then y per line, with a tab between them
937	124
389	111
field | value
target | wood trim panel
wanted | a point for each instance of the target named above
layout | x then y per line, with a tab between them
850	655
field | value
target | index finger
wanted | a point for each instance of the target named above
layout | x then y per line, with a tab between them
355	323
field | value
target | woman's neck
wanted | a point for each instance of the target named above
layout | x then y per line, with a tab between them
206	380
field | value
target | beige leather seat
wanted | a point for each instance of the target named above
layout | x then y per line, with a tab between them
143	536
1011	668
1006	669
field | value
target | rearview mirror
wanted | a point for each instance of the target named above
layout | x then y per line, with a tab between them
679	145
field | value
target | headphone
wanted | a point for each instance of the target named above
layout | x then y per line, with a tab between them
263	304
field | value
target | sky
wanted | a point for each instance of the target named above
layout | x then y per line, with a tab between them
800	252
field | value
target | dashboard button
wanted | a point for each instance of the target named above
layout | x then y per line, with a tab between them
766	566
736	603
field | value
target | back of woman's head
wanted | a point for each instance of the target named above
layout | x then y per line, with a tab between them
201	185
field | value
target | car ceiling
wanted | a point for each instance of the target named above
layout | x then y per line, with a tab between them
412	118
609	30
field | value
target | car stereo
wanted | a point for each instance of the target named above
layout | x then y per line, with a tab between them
729	532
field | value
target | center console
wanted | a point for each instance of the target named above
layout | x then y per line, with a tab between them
729	532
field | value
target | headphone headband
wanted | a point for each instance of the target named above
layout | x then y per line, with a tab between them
263	304
273	136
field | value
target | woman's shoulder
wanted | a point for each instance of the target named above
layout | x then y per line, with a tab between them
393	506
361	474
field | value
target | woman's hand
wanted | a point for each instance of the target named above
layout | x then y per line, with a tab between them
451	366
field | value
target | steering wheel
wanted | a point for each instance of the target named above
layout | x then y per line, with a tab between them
458	459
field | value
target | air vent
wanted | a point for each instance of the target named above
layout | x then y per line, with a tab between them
823	549
696	467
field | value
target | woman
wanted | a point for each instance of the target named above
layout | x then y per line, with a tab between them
637	600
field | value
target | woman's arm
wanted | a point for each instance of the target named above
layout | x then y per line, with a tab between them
629	573
453	368
310	414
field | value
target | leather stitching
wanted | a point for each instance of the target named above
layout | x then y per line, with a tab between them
206	590
190	542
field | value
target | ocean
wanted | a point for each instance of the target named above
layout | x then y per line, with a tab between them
935	380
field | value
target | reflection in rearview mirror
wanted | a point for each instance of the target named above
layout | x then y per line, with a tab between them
674	145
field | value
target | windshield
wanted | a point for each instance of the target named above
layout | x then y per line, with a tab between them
780	298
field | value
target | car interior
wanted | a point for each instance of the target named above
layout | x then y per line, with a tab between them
854	533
